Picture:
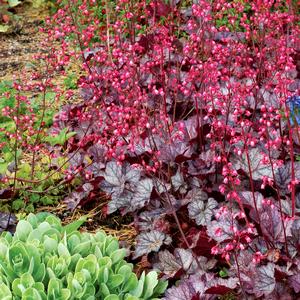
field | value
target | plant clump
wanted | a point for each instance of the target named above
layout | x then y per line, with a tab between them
45	260
188	122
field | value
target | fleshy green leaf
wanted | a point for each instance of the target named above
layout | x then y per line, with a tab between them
75	225
150	283
13	3
5	293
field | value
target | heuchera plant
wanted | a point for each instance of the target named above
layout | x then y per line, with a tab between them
45	260
189	121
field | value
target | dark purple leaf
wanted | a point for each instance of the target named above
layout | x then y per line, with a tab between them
96	168
264	280
200	242
202	211
161	186
178	181
142	193
76	197
294	281
6	193
131	174
168	264
201	166
150	241
247	199
147	220
271	224
84	129
169	152
283	176
113	174
123	183
270	99
258	169
76	160
280	292
247	269
8	222
220	286
97	153
119	200
191	127
221	230
187	289
196	194
183	260
295	230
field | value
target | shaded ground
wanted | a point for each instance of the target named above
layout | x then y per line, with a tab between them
18	46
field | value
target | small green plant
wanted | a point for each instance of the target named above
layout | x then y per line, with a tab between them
45	260
71	82
24	123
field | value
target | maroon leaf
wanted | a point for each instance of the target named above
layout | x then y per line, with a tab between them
76	197
6	193
294	281
187	289
150	241
221	229
202	211
247	199
220	286
271	224
8	222
264	280
200	242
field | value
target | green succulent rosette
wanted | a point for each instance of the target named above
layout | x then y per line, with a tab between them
44	260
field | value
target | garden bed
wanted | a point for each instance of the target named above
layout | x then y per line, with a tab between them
172	125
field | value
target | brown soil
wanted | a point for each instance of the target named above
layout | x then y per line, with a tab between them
21	42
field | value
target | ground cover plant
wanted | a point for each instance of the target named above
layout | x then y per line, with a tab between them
45	260
189	122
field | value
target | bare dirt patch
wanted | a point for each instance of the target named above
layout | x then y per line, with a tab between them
22	42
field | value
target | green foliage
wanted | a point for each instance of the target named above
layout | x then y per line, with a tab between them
36	169
13	3
71	82
45	260
232	12
60	138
